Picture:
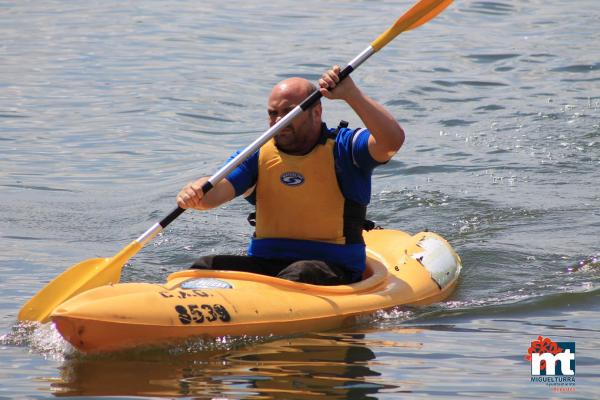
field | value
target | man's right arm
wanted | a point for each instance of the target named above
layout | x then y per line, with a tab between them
191	196
239	181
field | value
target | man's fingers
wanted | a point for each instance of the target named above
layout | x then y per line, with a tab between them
331	78
190	196
335	71
325	92
327	82
182	201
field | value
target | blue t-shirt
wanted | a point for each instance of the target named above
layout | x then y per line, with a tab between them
353	165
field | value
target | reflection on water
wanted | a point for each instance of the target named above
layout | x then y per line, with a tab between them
339	366
418	353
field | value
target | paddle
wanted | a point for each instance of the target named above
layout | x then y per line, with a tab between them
102	271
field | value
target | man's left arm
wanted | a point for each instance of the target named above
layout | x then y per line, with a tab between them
387	135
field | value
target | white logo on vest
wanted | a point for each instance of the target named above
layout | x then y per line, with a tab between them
291	178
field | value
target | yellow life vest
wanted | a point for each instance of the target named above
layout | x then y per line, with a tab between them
298	197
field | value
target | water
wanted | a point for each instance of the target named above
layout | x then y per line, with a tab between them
106	110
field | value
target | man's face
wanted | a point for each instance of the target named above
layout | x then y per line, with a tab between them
299	136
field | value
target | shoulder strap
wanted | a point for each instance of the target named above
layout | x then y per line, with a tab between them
343	124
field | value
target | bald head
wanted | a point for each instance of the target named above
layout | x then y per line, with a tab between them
294	89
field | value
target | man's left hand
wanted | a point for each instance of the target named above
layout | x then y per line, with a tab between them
331	87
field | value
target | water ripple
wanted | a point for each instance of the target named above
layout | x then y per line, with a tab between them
468	83
456	122
44	188
578	68
490	58
13	116
205	117
491	8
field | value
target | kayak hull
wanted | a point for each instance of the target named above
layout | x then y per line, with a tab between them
401	270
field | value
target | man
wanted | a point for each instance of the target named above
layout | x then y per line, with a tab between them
311	186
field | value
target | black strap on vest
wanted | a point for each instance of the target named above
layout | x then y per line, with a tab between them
370	225
325	134
343	124
367	224
252	218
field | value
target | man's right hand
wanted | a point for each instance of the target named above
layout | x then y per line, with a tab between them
191	195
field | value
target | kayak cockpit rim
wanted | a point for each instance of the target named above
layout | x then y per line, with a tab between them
376	274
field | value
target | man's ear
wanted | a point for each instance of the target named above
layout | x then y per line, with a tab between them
317	111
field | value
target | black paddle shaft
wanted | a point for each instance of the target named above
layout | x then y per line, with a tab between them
178	210
316	95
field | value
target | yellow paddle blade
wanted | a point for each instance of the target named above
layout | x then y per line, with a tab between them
79	278
420	13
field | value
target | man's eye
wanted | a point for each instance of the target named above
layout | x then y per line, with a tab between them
275	114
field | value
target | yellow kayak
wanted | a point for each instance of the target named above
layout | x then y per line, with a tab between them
401	270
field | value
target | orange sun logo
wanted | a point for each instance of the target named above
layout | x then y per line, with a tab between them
542	345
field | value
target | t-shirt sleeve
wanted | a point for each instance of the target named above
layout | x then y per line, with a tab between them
244	176
354	164
361	157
